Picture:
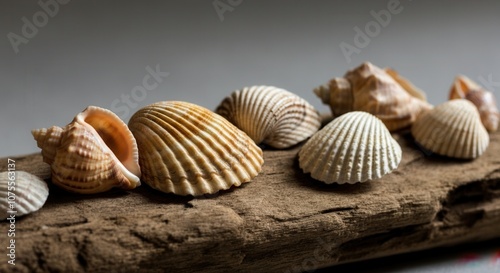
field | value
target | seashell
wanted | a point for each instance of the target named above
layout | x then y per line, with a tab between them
406	84
465	88
354	147
270	115
92	154
186	149
21	193
452	129
371	89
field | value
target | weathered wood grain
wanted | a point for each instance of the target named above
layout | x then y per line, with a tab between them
283	221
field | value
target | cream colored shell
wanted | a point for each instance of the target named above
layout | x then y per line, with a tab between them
465	88
452	129
376	91
21	193
270	115
354	147
186	149
92	154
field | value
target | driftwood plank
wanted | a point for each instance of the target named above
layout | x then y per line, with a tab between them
283	221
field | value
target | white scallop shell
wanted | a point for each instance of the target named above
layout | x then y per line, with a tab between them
270	115
21	193
186	149
354	147
452	129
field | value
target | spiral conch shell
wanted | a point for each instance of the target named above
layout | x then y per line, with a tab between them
354	147
186	149
92	154
270	115
465	88
374	90
21	193
452	129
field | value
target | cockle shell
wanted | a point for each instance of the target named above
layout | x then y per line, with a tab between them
452	129
465	88
186	149
21	193
371	89
270	115
92	154
354	147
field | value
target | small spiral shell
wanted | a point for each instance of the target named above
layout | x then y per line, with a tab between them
92	154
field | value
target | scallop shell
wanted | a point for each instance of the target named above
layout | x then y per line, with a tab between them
21	193
452	129
270	115
371	89
354	147
92	154
465	88
186	149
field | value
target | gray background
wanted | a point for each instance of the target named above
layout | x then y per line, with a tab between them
95	52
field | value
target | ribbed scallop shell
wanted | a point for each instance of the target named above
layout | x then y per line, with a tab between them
92	154
270	115
21	193
354	147
452	129
465	88
186	149
371	89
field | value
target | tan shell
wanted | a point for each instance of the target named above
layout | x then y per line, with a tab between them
452	129
92	154
354	147
371	89
270	115
21	193
186	149
465	88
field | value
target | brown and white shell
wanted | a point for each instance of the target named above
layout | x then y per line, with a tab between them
21	193
186	149
270	115
355	147
92	154
371	89
452	129
465	88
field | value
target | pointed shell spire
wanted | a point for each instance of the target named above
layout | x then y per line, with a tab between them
92	154
371	89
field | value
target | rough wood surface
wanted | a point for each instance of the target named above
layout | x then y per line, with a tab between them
283	221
